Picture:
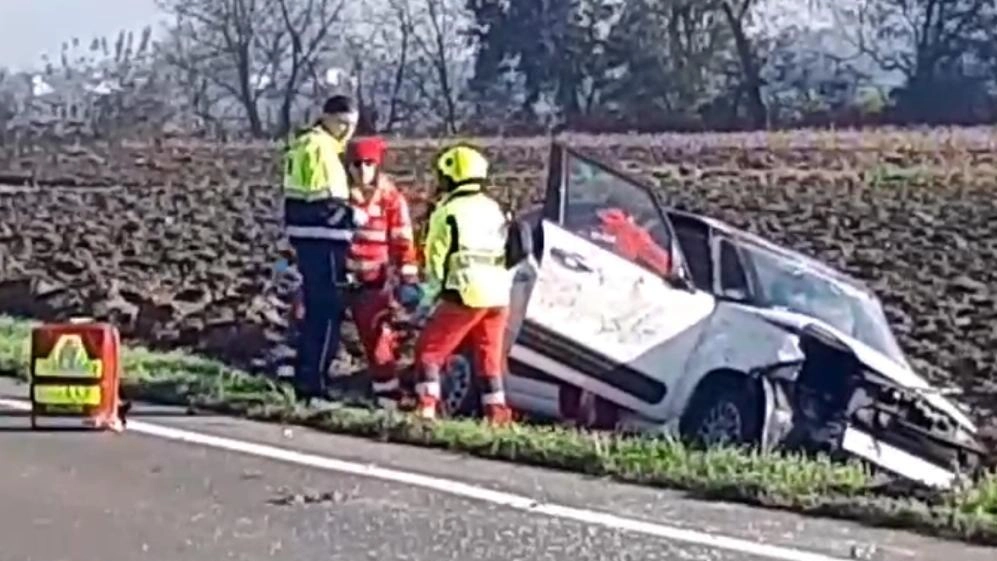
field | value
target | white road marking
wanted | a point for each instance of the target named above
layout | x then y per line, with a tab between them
466	490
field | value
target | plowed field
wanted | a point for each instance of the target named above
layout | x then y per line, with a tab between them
176	241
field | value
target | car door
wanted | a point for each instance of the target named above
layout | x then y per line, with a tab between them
596	318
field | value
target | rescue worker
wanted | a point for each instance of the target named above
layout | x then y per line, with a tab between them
467	279
319	223
382	262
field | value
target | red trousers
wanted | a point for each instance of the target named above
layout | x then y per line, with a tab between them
372	313
450	326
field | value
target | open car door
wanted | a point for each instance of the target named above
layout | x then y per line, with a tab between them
598	315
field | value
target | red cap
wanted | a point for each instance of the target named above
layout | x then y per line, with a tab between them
369	148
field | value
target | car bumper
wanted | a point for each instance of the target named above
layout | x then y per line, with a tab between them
896	460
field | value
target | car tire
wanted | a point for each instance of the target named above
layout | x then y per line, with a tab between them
723	412
460	393
597	413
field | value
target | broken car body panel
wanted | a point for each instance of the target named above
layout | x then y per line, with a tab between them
899	373
584	316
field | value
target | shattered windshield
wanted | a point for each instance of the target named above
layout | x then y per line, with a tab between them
791	284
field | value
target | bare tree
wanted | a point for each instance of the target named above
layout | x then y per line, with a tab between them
669	55
130	88
443	61
737	14
307	22
937	46
259	53
94	90
380	47
9	105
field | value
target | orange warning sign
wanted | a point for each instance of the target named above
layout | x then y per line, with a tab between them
75	372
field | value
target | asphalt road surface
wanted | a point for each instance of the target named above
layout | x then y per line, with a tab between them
181	488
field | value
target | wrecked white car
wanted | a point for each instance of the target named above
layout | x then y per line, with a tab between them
743	341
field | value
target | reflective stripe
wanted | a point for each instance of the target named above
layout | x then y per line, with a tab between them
409	270
67	395
389	386
318	233
362	265
68	359
465	258
372	235
428	389
308	195
494	398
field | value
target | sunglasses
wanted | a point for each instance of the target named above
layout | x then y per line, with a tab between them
360	163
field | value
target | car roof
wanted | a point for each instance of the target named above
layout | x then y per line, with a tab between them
748	238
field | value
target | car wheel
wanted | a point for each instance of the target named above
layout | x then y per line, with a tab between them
460	394
596	413
723	413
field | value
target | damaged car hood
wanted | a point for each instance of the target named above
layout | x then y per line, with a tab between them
871	358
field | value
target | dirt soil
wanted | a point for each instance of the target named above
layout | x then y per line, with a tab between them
176	240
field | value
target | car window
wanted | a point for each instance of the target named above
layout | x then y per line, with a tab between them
694	240
612	210
733	278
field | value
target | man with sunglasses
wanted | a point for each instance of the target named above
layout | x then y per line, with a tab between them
320	224
382	262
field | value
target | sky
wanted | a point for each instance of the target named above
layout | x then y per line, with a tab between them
30	27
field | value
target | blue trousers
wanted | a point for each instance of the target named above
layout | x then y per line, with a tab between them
322	267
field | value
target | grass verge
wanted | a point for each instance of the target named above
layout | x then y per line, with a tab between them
786	481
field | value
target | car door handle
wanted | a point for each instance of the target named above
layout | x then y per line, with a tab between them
570	260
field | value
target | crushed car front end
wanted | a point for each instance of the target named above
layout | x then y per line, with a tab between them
846	399
846	387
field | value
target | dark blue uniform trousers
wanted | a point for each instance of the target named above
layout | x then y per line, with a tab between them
322	266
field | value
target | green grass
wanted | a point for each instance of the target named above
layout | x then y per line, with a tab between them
787	481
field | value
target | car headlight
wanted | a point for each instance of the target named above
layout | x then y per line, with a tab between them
964	436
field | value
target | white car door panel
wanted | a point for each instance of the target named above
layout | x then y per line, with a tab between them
596	319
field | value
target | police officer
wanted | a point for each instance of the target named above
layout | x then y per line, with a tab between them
465	254
319	223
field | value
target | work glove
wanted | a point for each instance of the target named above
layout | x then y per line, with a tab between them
425	305
281	266
409	296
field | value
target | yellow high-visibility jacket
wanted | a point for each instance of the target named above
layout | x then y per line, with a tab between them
313	168
316	189
464	250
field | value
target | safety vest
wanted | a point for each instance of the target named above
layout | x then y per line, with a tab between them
313	169
465	249
316	190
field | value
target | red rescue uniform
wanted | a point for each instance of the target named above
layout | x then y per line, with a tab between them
382	254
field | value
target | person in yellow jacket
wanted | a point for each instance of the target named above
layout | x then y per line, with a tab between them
467	279
319	222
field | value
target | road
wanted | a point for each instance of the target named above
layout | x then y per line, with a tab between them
183	488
